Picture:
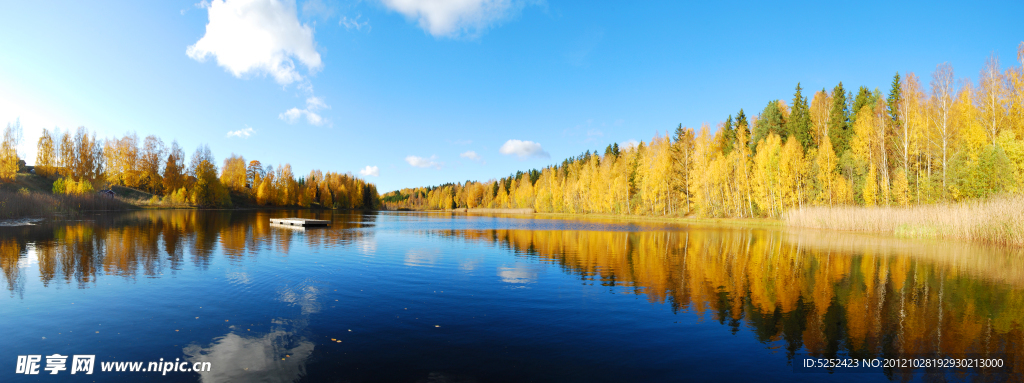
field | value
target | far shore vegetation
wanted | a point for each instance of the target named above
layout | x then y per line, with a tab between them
74	166
909	155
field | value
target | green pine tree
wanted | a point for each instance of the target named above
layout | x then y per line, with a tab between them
741	124
728	136
895	96
864	98
799	124
839	129
770	121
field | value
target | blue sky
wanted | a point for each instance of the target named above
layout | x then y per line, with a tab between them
412	86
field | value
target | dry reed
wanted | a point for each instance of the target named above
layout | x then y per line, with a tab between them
33	204
496	211
998	220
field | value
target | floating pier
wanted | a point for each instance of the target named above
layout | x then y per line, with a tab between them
303	222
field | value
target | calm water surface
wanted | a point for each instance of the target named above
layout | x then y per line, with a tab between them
415	297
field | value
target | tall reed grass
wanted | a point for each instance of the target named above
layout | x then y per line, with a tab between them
999	220
23	203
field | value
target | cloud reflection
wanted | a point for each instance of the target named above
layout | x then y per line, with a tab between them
278	356
421	257
520	273
306	296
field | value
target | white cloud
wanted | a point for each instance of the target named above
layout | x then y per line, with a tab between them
257	37
351	24
421	162
200	5
471	155
242	133
314	119
318	9
451	18
316	103
313	104
629	144
370	171
291	115
523	149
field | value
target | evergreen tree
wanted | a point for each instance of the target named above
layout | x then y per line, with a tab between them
728	136
895	96
742	125
839	130
680	132
799	124
876	97
770	121
864	98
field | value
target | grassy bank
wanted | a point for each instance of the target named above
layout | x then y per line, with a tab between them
745	222
619	218
24	203
997	220
30	195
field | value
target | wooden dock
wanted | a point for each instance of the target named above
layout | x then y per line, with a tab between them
303	222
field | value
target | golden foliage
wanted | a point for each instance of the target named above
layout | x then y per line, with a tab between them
917	149
8	152
45	155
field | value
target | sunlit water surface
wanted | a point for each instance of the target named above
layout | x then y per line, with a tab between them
414	297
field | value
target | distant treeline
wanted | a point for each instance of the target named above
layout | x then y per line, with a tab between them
81	164
959	141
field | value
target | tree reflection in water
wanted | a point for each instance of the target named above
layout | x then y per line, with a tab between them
825	294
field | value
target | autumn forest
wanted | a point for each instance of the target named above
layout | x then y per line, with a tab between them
80	163
922	141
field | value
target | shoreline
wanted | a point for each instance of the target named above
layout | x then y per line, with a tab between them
1003	235
745	222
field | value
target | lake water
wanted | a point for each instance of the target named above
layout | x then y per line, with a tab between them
433	297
